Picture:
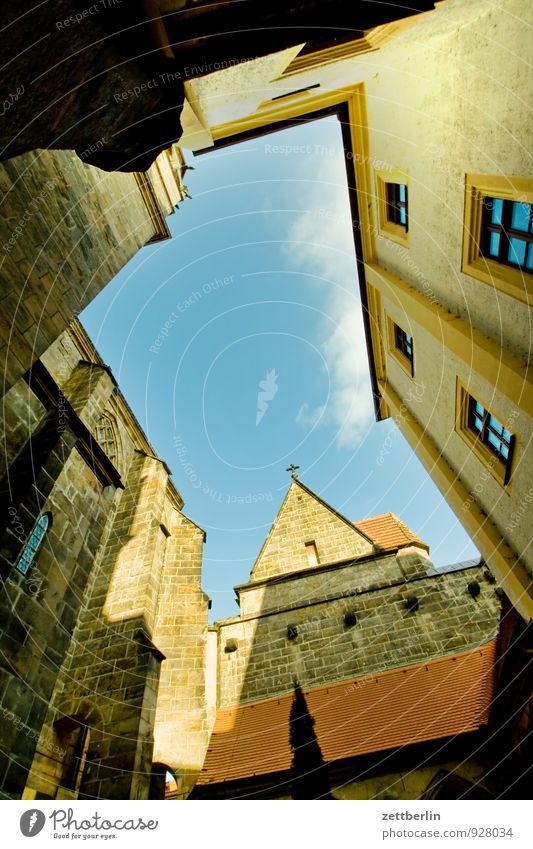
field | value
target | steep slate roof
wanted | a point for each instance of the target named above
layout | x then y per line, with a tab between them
389	532
411	704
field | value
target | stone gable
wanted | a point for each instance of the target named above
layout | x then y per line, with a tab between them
305	518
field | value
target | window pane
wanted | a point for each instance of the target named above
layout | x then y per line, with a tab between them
494	440
520	217
403	215
25	561
494	246
402	193
489	430
495	425
517	251
529	263
497	208
106	438
31	547
37	535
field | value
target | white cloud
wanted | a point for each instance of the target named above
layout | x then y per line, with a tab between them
351	406
320	239
308	417
320	242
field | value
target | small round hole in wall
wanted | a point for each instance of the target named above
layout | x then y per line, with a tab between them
474	589
350	619
412	603
292	632
231	646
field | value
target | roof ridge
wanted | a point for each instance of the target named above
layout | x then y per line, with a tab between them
404	527
389	530
377	516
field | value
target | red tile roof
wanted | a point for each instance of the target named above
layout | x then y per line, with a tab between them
425	701
389	532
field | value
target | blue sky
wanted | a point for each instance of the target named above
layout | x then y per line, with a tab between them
239	345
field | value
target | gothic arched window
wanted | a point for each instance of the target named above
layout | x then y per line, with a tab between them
33	543
107	438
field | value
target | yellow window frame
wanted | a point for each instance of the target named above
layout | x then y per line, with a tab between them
406	364
499	470
513	281
396	232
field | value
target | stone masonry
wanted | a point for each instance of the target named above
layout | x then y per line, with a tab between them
300	520
256	657
104	640
66	229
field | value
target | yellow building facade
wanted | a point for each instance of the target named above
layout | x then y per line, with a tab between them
432	108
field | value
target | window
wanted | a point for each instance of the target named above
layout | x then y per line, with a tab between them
498	233
401	346
33	544
312	554
106	438
397	203
392	205
490	430
507	232
404	342
490	439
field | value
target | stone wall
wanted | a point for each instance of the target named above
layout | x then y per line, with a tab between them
339	620
22	413
112	666
66	229
303	518
118	591
324	582
327	649
452	116
39	611
182	723
432	398
413	781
